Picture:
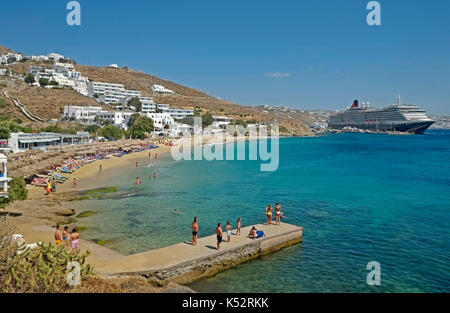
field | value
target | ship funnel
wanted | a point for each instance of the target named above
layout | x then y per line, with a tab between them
355	104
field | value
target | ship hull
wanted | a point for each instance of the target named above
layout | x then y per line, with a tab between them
410	127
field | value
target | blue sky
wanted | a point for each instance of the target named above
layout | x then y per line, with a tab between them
303	54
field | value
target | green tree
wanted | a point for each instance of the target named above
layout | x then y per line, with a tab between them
30	79
91	129
111	132
207	119
43	81
135	102
54	83
16	191
5	133
140	127
133	118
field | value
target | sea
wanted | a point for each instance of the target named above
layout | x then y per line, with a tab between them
360	198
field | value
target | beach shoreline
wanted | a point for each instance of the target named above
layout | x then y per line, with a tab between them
37	216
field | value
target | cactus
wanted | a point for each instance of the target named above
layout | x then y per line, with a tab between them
43	269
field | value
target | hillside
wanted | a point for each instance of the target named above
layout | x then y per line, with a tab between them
49	103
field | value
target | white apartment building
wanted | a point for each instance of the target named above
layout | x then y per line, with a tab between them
161	89
109	92
148	105
85	115
221	120
118	119
159	119
39	58
55	56
178	113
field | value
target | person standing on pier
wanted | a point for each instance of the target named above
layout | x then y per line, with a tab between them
238	226
228	229
219	234
277	214
269	214
194	228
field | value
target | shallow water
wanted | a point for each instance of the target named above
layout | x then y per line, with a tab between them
360	198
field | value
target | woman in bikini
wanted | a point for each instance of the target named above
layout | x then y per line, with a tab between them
269	214
238	226
277	214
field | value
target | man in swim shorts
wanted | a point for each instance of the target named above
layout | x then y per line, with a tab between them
219	234
58	234
194	228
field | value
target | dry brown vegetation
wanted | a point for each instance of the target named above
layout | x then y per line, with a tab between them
48	103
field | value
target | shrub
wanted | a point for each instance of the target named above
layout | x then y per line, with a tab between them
17	191
43	269
30	79
4	132
111	132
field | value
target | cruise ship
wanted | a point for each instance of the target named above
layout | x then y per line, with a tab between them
397	117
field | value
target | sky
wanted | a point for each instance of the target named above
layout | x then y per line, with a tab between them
301	53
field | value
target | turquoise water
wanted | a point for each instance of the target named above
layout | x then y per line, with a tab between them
360	198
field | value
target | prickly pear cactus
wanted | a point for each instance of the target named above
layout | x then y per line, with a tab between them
43	269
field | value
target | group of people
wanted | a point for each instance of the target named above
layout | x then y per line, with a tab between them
278	214
254	233
70	241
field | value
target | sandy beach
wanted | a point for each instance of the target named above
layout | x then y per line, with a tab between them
37	216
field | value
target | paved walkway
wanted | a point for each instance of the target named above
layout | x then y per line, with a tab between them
185	252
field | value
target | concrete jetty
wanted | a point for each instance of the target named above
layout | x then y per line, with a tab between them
183	263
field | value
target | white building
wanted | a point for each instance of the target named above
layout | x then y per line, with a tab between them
23	141
159	119
148	105
221	120
85	115
39	58
3	176
55	56
109	92
118	119
161	89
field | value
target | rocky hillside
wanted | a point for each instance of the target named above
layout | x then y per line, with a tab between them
48	103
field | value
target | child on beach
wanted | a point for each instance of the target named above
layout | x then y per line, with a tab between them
48	188
228	228
58	234
74	182
219	234
74	237
65	236
238	226
194	228
138	181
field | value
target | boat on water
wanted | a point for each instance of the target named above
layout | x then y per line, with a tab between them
395	118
